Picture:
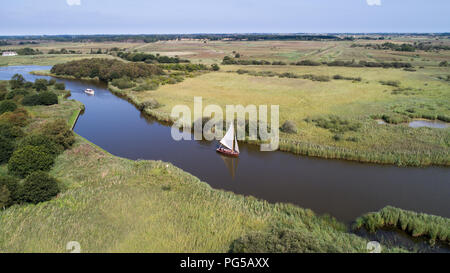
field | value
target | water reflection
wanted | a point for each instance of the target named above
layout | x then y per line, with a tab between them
231	163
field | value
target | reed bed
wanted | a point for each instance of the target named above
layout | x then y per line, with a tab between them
434	228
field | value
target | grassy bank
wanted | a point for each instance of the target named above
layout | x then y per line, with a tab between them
416	224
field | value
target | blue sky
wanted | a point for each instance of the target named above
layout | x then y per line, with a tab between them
24	17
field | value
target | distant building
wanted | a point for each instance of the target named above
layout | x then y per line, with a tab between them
9	53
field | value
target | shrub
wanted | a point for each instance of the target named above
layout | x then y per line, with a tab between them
19	117
51	82
17	81
12	185
41	85
215	67
60	133
3	86
147	86
28	159
151	103
31	100
10	131
7	106
39	187
48	98
391	83
123	83
60	86
289	127
43	141
6	149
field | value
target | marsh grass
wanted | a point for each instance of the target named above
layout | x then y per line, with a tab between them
415	224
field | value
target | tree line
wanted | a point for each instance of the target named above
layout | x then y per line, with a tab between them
227	60
149	58
105	69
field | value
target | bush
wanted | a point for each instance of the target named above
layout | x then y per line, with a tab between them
60	86
17	81
391	83
12	185
19	117
31	100
48	98
60	133
6	149
7	106
215	67
3	86
51	82
41	85
2	95
28	159
151	103
43	141
289	127
10	131
39	187
123	83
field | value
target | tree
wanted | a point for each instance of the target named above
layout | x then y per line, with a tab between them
60	86
6	149
39	187
28	159
60	133
48	98
7	106
12	184
215	67
44	141
41	85
4	196
17	81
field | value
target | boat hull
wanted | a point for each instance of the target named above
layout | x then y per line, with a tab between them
227	152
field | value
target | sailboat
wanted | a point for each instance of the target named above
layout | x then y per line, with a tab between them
229	145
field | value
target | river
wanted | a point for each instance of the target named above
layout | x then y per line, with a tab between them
342	189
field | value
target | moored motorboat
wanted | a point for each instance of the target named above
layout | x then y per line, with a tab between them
89	91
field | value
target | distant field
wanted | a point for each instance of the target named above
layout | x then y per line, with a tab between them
46	60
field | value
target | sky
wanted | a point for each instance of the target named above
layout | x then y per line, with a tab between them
39	17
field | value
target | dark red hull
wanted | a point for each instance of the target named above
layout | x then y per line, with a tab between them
227	152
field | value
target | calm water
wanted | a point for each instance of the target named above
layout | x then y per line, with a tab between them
340	188
428	123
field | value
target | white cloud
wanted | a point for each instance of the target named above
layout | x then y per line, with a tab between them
369	2
78	2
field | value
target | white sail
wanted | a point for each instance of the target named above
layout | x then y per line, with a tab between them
236	146
228	139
